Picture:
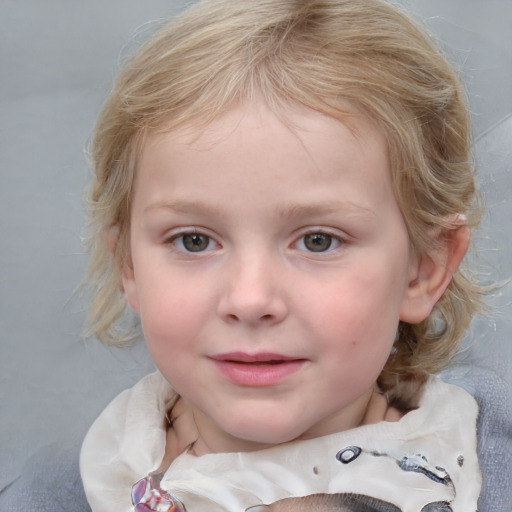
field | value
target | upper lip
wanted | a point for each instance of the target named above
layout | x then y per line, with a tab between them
263	357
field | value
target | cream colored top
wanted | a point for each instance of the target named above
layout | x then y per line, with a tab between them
428	456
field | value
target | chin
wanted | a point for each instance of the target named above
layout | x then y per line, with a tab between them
264	434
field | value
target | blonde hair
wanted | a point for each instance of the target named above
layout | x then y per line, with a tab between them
321	54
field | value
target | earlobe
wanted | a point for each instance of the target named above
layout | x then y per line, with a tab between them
127	274
130	285
112	237
432	273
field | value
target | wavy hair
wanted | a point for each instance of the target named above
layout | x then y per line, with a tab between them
321	54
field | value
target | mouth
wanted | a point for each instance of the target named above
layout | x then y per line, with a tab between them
256	370
262	358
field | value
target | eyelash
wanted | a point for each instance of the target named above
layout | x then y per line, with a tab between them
180	239
334	242
331	241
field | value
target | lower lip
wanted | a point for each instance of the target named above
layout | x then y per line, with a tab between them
258	375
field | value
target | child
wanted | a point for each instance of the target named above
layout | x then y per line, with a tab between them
283	194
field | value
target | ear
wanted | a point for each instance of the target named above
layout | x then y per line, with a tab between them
432	273
128	284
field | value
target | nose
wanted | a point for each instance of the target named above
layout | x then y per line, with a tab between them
253	293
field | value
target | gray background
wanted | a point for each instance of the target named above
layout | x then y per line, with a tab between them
57	60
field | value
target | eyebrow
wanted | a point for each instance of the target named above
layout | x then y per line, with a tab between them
185	207
329	208
286	211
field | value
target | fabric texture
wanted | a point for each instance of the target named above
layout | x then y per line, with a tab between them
430	453
49	482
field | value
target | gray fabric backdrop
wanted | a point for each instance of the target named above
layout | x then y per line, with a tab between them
57	59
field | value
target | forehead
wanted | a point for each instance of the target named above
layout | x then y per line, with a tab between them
293	160
252	121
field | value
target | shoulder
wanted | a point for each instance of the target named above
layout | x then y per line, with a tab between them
49	482
126	441
441	400
447	419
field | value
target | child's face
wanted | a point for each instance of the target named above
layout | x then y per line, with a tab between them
270	269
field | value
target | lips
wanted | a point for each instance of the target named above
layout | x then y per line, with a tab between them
256	370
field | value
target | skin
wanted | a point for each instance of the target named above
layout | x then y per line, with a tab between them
303	253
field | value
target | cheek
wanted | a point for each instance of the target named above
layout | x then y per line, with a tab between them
170	332
365	300
360	315
172	311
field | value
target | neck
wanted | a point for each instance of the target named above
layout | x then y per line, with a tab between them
212	439
370	408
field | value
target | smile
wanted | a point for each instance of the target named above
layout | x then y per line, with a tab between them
256	370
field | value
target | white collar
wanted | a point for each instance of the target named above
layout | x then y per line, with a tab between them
128	440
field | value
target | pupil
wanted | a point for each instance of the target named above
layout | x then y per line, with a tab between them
317	242
195	242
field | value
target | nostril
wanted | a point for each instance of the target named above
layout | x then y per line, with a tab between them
252	308
231	317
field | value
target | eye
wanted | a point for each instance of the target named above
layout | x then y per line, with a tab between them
318	242
192	242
